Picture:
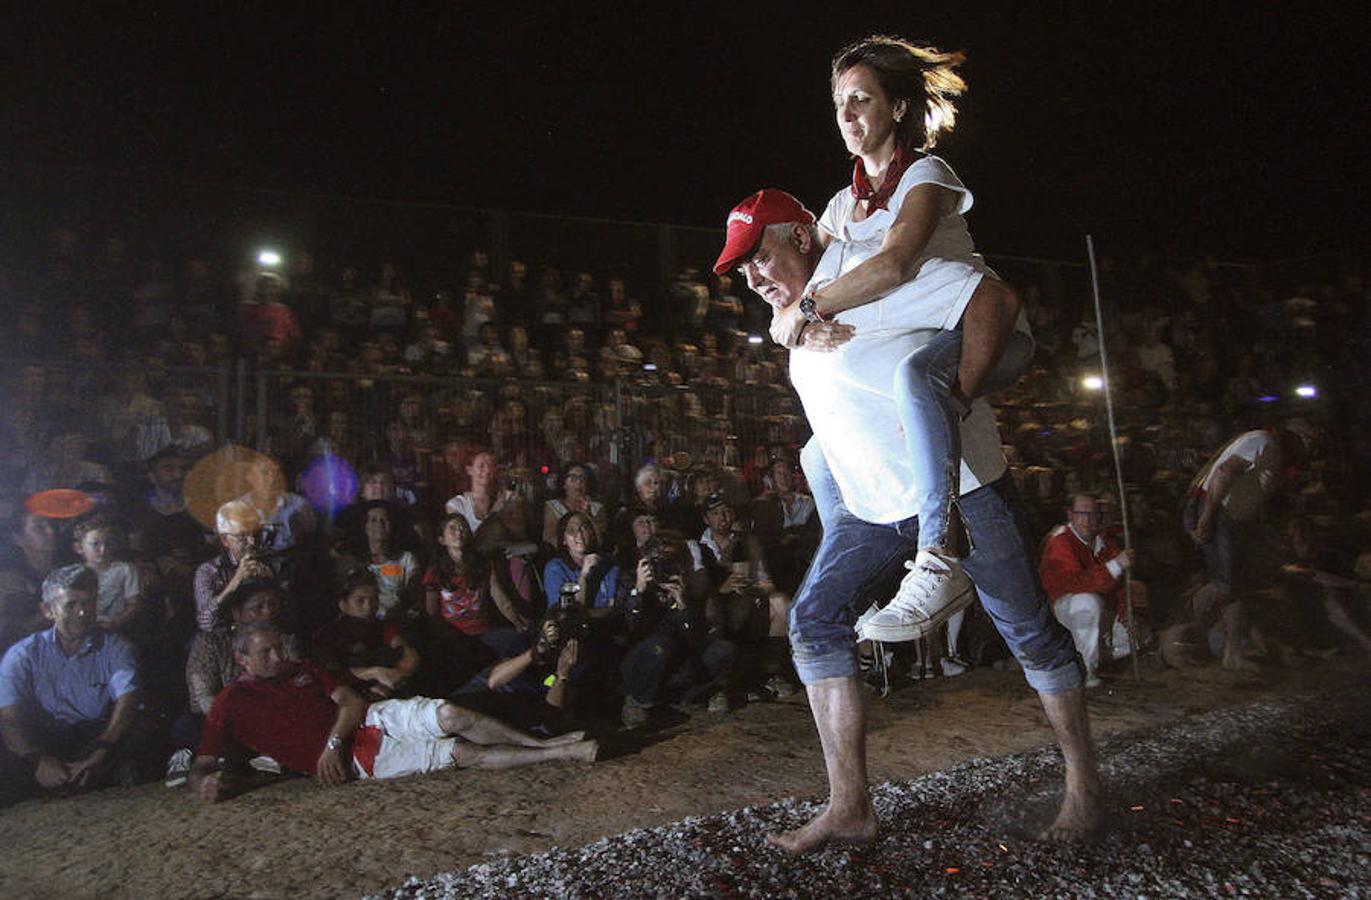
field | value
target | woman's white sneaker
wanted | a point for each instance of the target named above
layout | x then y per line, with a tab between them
934	589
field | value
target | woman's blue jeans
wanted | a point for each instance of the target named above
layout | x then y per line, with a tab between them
931	420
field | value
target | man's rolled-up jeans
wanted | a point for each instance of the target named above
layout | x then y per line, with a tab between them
856	557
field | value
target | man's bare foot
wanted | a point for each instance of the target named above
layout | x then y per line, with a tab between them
828	827
583	751
1081	816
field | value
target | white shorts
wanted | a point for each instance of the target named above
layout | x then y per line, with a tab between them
402	737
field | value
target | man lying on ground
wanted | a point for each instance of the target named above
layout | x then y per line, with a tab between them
299	715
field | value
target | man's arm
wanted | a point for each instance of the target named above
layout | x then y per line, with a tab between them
1224	478
505	604
48	771
352	709
206	780
1062	573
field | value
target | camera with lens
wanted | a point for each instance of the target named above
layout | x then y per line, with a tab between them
567	620
664	564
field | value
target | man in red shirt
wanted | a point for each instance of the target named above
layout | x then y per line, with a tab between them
298	714
1082	572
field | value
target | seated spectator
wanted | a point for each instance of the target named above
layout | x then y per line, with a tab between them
367	654
461	588
687	513
240	533
787	525
66	465
669	637
649	489
211	667
1081	572
302	717
622	311
264	320
580	563
378	483
486	358
119	597
747	605
578	495
27	554
69	699
371	543
164	530
486	494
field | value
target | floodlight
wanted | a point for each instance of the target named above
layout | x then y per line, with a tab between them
1092	383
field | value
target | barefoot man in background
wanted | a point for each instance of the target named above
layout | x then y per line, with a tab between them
857	461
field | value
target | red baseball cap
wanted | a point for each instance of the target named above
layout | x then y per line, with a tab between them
743	228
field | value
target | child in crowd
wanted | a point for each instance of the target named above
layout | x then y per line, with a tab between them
366	652
98	542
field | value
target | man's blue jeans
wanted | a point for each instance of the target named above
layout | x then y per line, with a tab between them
932	424
856	557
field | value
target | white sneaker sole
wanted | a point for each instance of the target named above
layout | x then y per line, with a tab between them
895	634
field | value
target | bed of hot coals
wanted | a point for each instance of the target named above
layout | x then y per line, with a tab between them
1267	800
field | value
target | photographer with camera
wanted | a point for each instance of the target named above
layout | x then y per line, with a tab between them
239	527
673	645
574	637
745	601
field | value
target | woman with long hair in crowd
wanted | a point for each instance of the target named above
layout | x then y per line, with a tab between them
578	495
374	543
463	593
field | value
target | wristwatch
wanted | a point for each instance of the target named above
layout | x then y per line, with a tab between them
334	742
808	310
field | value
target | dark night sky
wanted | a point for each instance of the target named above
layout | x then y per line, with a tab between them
1195	126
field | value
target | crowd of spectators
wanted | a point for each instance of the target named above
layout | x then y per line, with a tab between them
540	492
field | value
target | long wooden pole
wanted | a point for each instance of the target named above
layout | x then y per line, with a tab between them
1114	446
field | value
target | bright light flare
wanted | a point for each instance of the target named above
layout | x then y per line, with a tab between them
754	338
268	258
1307	391
1092	383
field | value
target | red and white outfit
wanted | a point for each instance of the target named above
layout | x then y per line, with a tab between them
290	718
1083	582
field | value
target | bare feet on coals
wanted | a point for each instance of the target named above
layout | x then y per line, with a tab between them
1080	817
853	830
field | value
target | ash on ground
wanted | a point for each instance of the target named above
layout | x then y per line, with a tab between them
1267	800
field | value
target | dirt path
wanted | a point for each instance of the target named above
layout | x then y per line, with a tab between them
297	839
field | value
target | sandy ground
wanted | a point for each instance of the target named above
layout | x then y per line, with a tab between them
293	838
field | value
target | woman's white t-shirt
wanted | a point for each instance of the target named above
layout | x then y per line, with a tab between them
848	393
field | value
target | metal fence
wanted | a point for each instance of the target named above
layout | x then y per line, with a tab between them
424	427
131	409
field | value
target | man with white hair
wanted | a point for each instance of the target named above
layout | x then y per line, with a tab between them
866	487
239	527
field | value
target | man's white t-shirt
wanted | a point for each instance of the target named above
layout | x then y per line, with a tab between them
848	393
1244	499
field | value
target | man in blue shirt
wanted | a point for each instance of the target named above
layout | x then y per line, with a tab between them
68	696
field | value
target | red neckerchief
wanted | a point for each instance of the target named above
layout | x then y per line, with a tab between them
879	199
